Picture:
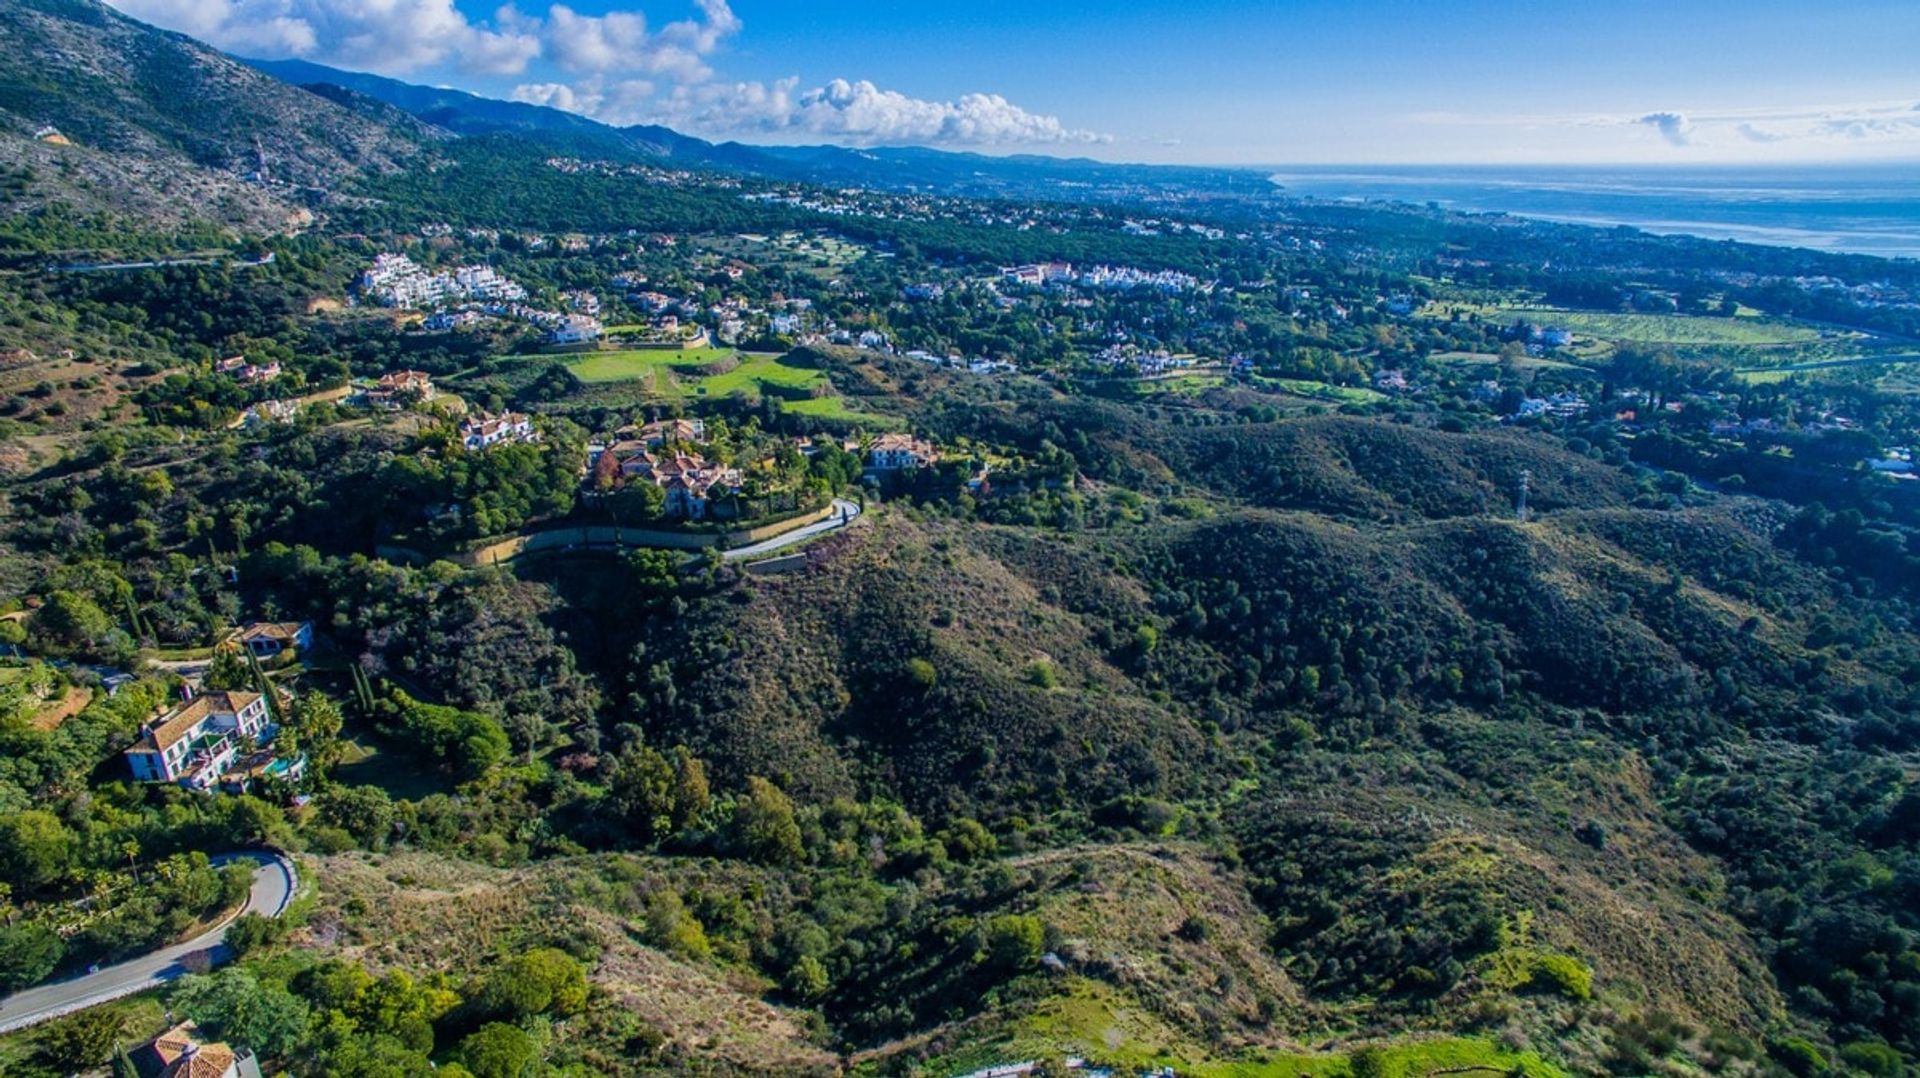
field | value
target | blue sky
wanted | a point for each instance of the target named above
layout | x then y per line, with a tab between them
1210	81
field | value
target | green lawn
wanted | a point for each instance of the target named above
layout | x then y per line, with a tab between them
834	408
1748	328
631	363
757	372
1680	329
675	376
1321	391
372	760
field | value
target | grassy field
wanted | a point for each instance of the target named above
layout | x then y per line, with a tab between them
1678	329
628	364
1635	328
1489	359
372	760
676	376
757	373
1321	391
835	408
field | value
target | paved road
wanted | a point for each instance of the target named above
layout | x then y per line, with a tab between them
273	884
844	513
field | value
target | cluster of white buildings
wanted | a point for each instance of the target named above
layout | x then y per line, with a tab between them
482	430
1565	405
956	362
394	280
1130	359
1110	278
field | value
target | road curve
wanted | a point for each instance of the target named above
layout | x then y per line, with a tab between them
844	513
274	880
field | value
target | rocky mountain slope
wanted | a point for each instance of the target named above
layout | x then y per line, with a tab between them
99	112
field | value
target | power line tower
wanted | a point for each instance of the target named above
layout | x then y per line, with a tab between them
1520	509
260	162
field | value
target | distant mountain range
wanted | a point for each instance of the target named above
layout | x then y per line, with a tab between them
891	168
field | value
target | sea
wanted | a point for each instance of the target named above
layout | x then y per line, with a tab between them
1856	209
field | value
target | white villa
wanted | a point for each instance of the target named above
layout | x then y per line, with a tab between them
901	452
195	744
269	639
480	430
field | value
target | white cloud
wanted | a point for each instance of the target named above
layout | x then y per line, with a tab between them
399	36
842	110
1673	126
1756	133
619	41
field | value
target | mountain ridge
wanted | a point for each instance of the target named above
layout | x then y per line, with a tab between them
893	167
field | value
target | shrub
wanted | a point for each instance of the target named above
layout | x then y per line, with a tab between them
541	981
1563	973
1876	1058
496	1050
253	932
1798	1055
1014	941
82	1041
28	952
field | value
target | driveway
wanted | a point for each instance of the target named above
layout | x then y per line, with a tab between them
273	883
844	513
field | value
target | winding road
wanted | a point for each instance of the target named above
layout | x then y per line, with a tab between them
844	513
274	880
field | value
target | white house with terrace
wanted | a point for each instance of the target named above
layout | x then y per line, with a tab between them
196	744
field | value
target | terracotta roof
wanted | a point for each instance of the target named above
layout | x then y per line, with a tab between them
283	631
183	1056
179	722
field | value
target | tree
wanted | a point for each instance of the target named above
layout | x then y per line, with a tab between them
764	827
807	979
84	1040
365	812
241	1010
497	1050
123	1063
317	721
73	617
228	670
641	788
34	848
692	796
252	932
541	981
28	952
1014	940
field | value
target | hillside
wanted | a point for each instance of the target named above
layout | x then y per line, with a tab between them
157	126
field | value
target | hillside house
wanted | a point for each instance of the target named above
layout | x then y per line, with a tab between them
666	431
398	389
901	452
691	482
575	329
271	639
276	411
195	744
180	1052
481	430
